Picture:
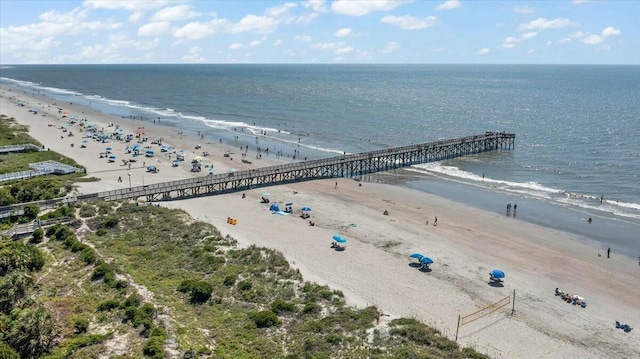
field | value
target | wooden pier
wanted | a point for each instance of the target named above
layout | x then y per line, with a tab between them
347	166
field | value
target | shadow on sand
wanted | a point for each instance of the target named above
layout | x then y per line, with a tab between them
415	265
425	269
496	284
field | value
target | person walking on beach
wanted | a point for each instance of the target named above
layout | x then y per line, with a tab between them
609	252
336	186
435	221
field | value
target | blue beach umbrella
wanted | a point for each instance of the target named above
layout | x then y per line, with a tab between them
305	209
497	273
339	239
417	256
109	149
426	260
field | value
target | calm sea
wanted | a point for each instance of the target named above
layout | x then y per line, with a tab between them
577	127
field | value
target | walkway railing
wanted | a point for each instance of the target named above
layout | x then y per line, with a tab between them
347	166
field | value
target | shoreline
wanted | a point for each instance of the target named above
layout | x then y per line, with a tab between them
375	269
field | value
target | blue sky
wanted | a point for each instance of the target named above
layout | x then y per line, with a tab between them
318	31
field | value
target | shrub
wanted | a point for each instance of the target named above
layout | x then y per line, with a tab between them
20	256
154	348
133	300
88	256
311	307
280	306
80	325
37	235
110	222
31	211
144	316
265	319
101	232
7	352
108	305
200	291
101	271
87	211
31	331
244	285
62	232
229	280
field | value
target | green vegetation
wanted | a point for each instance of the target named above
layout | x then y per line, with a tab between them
200	291
32	189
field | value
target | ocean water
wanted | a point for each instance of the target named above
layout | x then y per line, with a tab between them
577	127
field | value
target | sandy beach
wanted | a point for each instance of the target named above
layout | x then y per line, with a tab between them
375	268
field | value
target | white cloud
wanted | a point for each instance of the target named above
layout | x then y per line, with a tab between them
154	29
193	31
117	49
277	42
364	7
315	5
592	39
483	51
409	22
174	13
194	55
511	41
255	43
131	5
610	31
306	19
523	10
237	46
259	24
328	45
543	24
390	47
344	50
449	5
305	38
344	32
338	48
280	10
136	16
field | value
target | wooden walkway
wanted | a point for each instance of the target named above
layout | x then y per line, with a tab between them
347	166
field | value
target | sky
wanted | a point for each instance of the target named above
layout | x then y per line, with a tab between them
319	31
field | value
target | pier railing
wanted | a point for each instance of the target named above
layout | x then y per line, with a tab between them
346	166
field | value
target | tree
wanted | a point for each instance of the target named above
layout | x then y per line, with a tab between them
31	332
13	289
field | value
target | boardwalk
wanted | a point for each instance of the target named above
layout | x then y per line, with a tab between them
347	166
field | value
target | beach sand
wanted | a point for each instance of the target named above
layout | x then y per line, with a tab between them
375	268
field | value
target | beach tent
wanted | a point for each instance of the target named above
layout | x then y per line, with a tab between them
112	158
339	239
496	275
148	153
417	256
274	208
426	260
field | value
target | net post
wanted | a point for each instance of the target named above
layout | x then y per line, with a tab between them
458	327
513	304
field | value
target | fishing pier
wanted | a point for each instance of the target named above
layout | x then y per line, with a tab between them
346	166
